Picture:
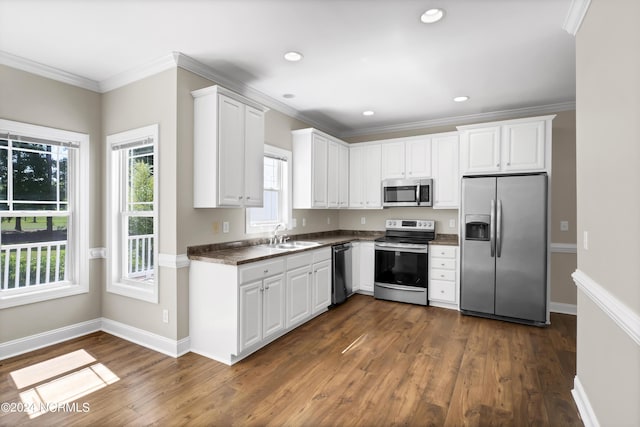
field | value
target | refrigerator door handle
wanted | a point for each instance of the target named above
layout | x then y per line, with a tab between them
499	230
492	228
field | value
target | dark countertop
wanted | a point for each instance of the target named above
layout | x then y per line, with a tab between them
247	251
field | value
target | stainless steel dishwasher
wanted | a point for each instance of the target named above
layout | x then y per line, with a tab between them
341	287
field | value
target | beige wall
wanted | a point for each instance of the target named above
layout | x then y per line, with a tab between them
608	200
563	200
148	101
25	97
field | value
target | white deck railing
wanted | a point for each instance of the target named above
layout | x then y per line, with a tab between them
140	265
44	263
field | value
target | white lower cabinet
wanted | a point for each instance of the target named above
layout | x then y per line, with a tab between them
236	310
367	266
443	276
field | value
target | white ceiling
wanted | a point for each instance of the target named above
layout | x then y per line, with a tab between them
358	54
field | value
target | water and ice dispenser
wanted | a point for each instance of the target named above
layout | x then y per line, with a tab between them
477	227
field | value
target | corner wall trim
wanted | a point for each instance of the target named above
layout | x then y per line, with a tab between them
173	261
575	16
584	406
563	308
620	313
144	338
33	342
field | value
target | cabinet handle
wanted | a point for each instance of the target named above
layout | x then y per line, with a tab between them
310	273
442	275
441	291
266	287
239	197
497	165
508	163
266	271
248	197
261	289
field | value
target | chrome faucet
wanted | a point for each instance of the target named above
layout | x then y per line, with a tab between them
274	238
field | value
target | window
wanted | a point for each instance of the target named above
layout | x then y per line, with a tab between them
43	213
133	214
277	195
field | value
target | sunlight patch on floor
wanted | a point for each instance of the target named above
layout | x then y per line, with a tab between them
51	368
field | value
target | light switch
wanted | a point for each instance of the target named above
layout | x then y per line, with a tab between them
363	220
225	226
564	225
585	240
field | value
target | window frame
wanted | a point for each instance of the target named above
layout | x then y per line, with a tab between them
78	209
273	151
117	146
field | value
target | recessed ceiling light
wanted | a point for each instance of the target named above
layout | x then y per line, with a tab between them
461	98
293	56
368	113
432	15
288	95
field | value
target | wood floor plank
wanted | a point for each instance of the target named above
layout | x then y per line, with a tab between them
365	363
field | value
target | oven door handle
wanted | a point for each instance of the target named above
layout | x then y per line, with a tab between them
397	249
400	288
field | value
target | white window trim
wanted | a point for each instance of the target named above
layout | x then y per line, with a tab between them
79	230
138	290
278	152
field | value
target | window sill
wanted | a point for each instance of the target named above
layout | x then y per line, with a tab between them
143	292
45	294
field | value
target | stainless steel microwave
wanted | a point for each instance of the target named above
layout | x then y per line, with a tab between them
407	192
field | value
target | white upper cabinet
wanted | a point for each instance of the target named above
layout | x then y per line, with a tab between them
317	181
521	145
365	190
444	156
406	158
228	149
343	176
393	160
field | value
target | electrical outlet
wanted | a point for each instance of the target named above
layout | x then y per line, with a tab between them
585	240
225	226
452	223
304	222
165	315
294	223
363	220
564	225
216	227
328	220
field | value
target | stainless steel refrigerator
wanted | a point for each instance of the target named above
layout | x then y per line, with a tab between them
504	247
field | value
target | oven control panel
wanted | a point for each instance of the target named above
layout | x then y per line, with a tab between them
410	224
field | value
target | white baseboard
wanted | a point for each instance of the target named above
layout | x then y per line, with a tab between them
146	339
138	336
560	307
33	342
584	406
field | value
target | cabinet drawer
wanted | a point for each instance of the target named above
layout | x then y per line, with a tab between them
260	270
442	291
299	260
321	254
438	274
443	251
443	263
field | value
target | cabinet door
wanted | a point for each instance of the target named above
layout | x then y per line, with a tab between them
250	314
343	176
273	305
230	151
373	186
418	158
367	260
253	157
480	150
356	177
321	286
298	295
319	176
393	158
523	146
333	165
445	172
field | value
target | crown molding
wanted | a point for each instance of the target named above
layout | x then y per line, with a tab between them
460	120
575	15
156	66
187	63
46	71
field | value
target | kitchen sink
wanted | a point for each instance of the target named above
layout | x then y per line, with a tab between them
296	244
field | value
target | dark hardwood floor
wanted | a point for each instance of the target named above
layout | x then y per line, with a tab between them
367	362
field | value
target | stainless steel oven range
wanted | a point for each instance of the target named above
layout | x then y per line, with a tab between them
402	261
